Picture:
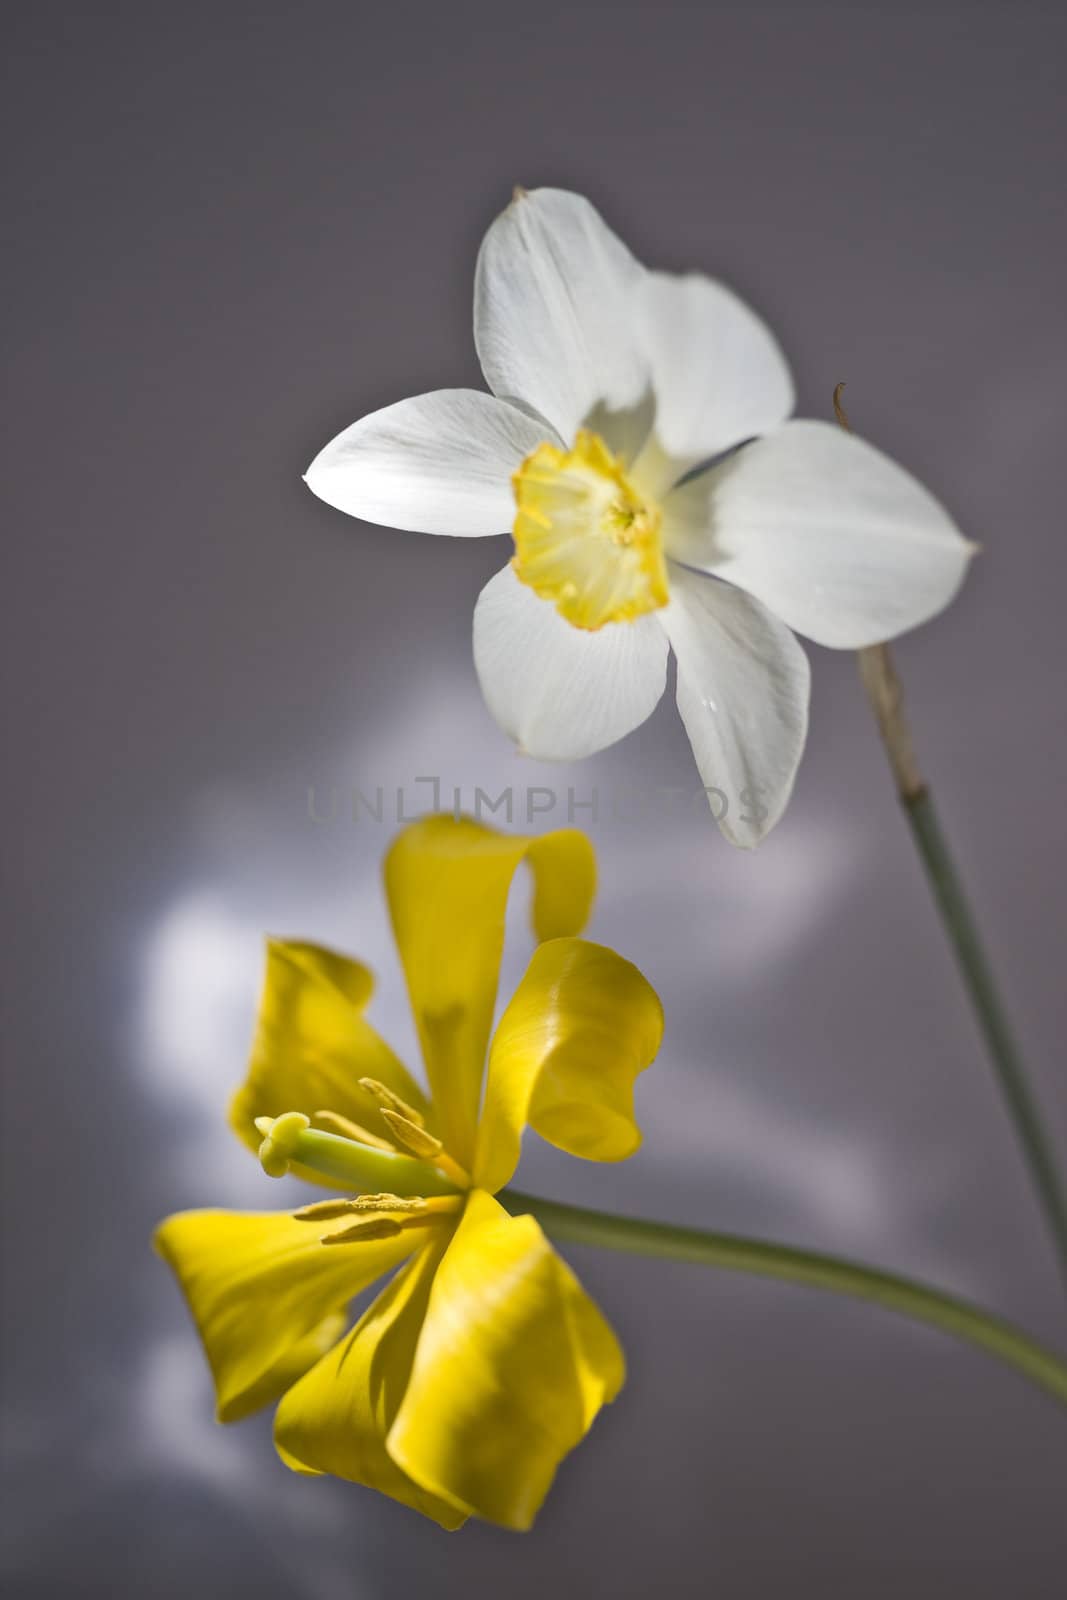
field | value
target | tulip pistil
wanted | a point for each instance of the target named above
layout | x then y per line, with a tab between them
290	1142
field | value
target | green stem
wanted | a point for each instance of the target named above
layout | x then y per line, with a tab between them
962	932
754	1256
886	697
887	702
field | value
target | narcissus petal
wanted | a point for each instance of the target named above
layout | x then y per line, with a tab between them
313	1044
832	536
718	372
580	1027
512	1365
337	1417
562	692
266	1295
437	463
743	689
447	884
553	310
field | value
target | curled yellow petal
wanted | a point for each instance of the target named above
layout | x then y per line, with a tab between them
337	1417
580	1027
447	883
512	1364
313	1044
266	1297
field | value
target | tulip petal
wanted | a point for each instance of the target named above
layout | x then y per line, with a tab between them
312	1045
513	1363
447	883
840	542
266	1295
580	1027
437	463
719	374
553	310
743	689
337	1417
563	692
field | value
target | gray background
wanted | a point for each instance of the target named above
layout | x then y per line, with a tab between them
238	227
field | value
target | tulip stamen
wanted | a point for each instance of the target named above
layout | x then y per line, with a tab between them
333	1122
389	1100
425	1147
364	1231
410	1133
329	1210
409	1214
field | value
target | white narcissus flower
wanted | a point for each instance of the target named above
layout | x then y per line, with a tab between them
610	385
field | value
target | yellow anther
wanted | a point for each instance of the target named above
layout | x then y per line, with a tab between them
428	1213
389	1100
379	1216
280	1138
585	538
425	1147
363	1231
333	1122
412	1135
324	1210
388	1202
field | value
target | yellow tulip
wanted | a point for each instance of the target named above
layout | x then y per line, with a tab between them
482	1361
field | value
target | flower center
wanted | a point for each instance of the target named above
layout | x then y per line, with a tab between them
584	537
345	1152
413	1160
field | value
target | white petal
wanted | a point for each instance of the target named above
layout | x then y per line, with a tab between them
717	370
563	692
438	463
743	688
552	310
834	537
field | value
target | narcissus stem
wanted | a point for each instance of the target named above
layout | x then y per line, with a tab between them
755	1256
887	702
884	692
989	1012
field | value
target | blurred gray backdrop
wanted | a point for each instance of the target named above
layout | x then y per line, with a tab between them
237	227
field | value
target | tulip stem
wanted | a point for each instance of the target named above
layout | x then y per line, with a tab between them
809	1267
883	690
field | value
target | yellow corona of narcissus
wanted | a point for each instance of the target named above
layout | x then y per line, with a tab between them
482	1361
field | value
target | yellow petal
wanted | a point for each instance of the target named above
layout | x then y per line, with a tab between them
337	1417
513	1363
447	884
266	1295
580	1027
312	1045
